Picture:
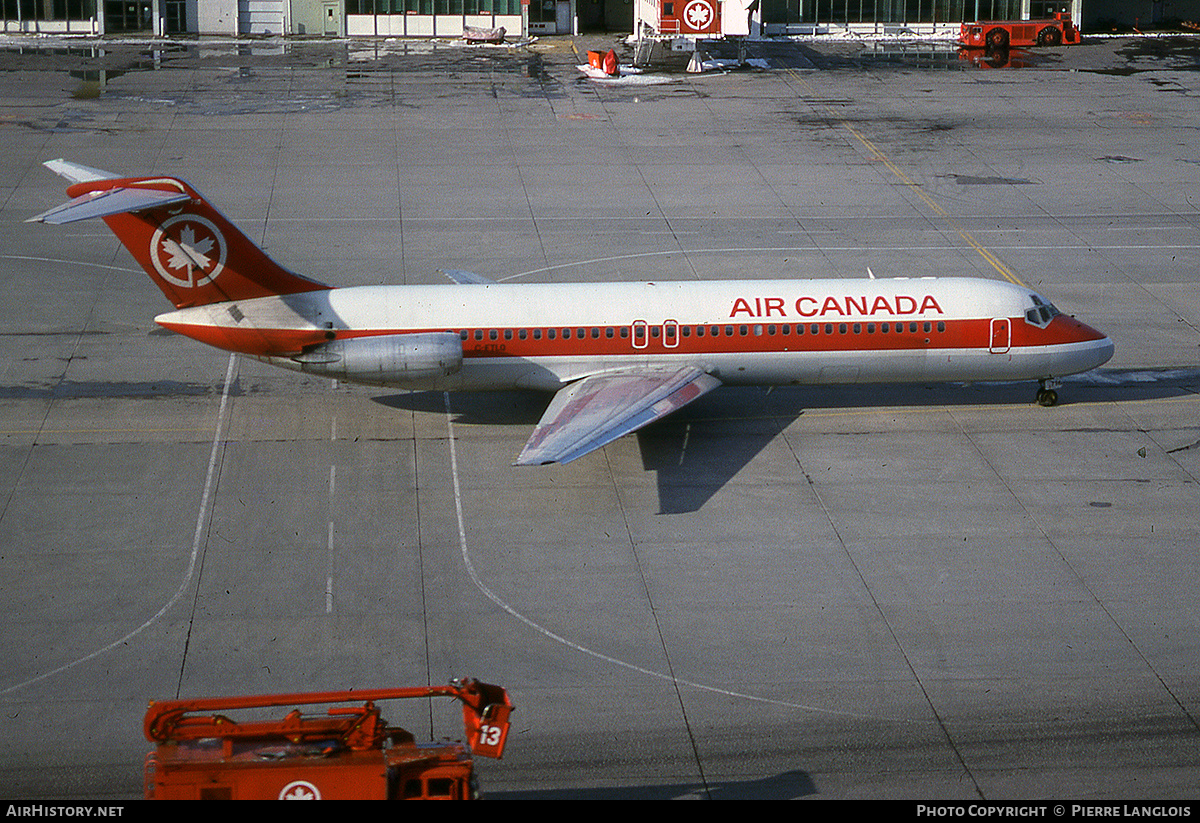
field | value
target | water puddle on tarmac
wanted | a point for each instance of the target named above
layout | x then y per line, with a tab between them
946	57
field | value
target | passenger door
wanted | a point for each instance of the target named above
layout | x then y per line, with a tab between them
1001	335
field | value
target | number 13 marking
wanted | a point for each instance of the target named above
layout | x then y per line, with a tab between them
490	735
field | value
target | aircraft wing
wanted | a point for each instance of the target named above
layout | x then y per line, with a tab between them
594	411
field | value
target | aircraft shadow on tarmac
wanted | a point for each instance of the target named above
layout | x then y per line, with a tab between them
698	450
490	408
786	786
695	452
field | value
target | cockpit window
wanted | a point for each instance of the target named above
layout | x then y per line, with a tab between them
1042	312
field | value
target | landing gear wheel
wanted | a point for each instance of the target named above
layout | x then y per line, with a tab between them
1047	397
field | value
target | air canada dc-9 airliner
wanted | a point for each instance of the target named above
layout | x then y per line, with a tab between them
617	355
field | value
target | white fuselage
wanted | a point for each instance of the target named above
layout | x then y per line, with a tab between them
761	332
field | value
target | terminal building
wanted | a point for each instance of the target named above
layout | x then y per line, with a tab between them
448	18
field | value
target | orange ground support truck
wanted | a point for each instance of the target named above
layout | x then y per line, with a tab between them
1001	34
349	752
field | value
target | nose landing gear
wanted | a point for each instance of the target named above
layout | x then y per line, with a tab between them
1047	394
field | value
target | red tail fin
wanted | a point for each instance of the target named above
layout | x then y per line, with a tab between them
187	247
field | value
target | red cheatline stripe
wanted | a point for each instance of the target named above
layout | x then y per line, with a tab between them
731	338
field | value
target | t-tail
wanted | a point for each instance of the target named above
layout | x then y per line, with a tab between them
189	249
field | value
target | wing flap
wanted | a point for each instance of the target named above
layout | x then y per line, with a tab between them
593	412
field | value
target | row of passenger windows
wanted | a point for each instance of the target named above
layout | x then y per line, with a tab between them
670	331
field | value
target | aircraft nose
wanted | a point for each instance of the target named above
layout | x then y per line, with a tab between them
1090	348
1083	332
1100	347
1104	351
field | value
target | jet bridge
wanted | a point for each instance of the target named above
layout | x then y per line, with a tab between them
682	24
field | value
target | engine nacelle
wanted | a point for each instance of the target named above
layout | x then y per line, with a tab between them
387	360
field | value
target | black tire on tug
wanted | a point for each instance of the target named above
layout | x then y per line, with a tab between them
1049	36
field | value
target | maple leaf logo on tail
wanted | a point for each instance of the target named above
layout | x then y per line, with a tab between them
187	253
191	257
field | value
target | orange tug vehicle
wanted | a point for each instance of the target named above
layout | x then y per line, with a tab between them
1000	34
347	753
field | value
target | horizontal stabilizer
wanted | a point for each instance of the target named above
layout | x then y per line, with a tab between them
593	412
188	248
108	202
466	278
77	172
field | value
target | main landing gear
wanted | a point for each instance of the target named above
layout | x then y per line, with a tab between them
1047	394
